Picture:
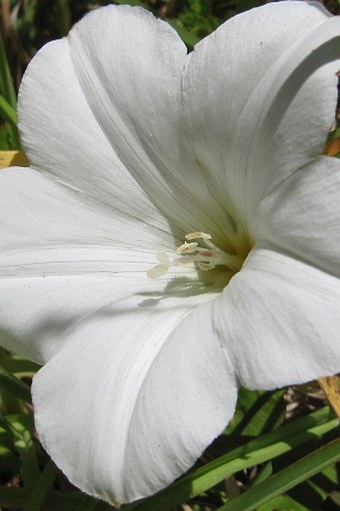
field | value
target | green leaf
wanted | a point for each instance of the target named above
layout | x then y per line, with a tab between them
324	482
283	503
9	460
16	498
260	450
14	386
86	504
8	99
313	492
188	37
6	137
23	367
6	82
263	474
7	112
257	412
13	498
334	134
244	5
63	17
286	479
41	487
21	426
131	2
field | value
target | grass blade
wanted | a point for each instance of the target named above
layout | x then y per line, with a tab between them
286	479
6	82
14	386
63	16
7	112
41	487
260	450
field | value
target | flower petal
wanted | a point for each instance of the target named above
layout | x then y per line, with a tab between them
63	139
39	215
140	109
132	402
36	312
117	135
281	319
241	100
302	215
60	260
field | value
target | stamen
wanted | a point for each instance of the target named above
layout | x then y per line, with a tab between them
191	253
197	235
186	248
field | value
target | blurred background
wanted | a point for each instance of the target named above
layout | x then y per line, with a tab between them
28	24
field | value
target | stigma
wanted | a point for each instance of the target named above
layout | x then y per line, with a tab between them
197	250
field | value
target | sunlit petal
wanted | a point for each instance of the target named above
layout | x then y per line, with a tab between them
146	394
281	319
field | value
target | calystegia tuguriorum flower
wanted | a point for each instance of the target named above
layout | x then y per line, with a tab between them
176	235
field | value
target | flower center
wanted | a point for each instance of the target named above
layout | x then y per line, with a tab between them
197	250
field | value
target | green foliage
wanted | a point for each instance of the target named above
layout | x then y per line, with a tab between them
258	453
13	385
196	20
9	136
287	478
260	450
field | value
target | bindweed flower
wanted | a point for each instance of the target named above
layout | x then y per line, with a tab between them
176	235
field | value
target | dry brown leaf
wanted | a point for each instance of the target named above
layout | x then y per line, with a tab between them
331	387
333	147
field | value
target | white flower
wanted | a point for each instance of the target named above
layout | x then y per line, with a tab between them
136	149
